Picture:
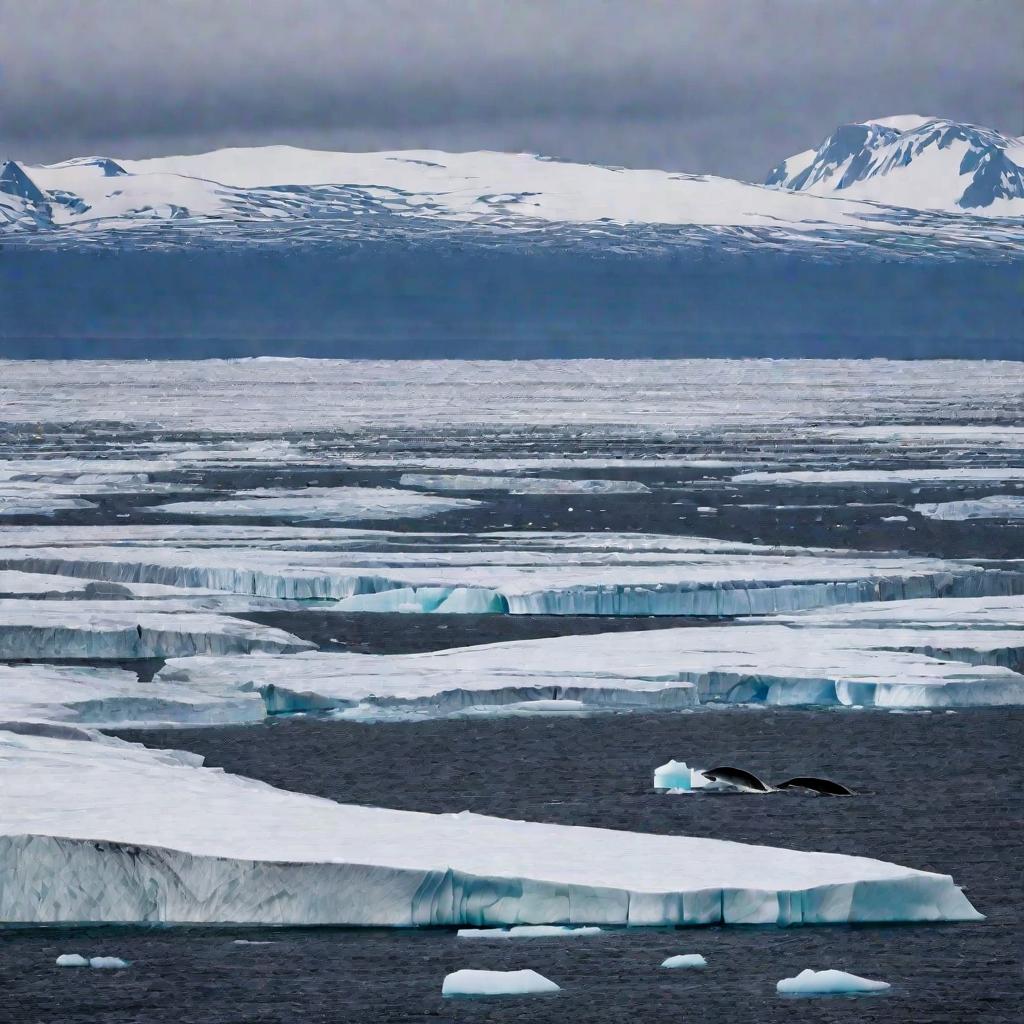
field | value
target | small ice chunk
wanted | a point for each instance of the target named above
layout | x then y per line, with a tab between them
251	942
528	931
107	962
496	983
678	777
894	519
827	983
71	960
686	960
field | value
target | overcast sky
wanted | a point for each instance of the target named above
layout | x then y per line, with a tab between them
720	86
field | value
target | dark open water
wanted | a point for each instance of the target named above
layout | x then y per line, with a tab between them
937	791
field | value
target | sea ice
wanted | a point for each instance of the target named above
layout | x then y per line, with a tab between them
71	960
497	983
337	504
801	661
107	962
678	777
100	830
817	983
685	960
520	484
910	475
82	629
996	506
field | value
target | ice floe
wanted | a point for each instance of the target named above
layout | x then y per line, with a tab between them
468	983
99	830
914	475
685	960
530	931
533	577
103	697
335	504
84	629
996	506
883	664
71	960
520	484
829	983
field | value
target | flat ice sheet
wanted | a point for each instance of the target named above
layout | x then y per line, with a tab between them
519	484
882	664
108	831
337	504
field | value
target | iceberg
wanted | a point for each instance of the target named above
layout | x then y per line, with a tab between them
71	960
676	777
496	983
94	830
520	484
828	983
996	506
685	960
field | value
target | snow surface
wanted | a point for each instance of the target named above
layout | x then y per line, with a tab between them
496	983
996	506
816	983
99	830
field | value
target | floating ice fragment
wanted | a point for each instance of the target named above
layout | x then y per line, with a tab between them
107	962
894	519
528	931
678	777
827	983
71	960
496	983
685	960
996	506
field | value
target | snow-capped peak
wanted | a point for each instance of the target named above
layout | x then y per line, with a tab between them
912	161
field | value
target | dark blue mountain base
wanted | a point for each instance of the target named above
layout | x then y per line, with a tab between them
424	301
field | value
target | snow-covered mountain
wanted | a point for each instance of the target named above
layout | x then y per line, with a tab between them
913	161
901	186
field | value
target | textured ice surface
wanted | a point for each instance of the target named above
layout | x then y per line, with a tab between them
18	503
827	983
996	506
882	664
106	831
83	629
685	960
520	485
987	613
337	504
469	982
703	398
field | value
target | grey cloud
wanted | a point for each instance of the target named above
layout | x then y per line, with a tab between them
722	86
